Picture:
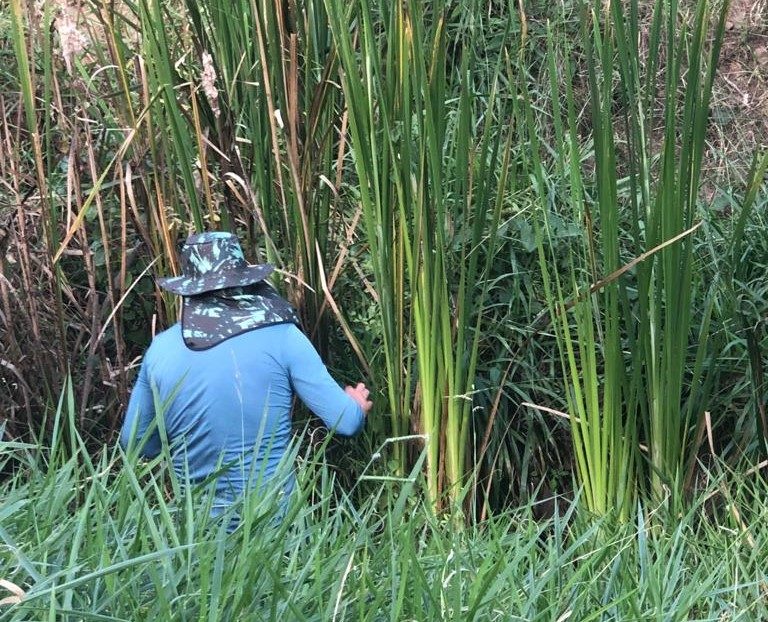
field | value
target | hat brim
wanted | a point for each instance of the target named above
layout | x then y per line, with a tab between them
207	320
237	277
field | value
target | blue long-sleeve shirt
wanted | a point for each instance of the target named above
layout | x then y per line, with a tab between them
229	406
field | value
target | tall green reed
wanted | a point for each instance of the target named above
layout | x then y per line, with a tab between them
636	362
676	385
432	181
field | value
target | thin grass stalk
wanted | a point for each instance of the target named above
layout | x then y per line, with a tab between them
609	303
28	86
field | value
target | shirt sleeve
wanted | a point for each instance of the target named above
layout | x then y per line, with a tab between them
141	415
314	385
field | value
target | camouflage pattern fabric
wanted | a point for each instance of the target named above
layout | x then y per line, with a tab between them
211	261
224	296
211	318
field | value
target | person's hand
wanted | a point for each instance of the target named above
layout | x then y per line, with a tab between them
360	394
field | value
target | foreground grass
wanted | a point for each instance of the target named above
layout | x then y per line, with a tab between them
106	539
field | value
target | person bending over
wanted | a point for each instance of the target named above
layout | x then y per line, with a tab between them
223	379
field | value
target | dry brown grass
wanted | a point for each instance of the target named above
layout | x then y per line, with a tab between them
740	100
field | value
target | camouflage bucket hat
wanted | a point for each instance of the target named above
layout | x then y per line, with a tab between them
213	317
211	261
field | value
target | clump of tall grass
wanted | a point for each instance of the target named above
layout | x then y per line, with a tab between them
632	312
105	537
432	181
148	131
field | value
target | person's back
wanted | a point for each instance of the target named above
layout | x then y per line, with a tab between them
225	406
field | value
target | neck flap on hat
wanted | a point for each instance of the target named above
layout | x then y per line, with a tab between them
213	317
